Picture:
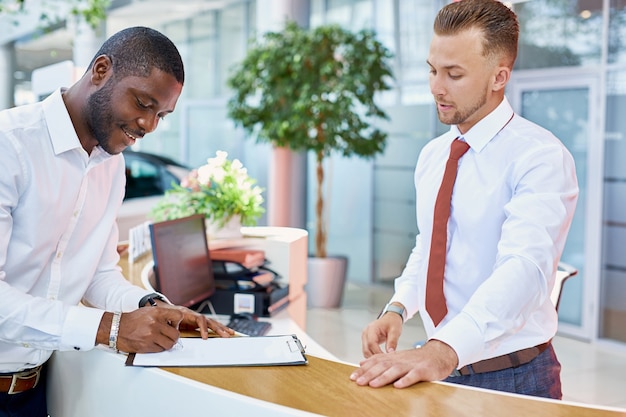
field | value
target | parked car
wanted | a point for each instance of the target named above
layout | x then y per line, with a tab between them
148	176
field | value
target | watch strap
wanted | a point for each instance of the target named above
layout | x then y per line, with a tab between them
401	311
154	296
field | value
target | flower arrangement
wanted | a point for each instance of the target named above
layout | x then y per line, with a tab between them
220	190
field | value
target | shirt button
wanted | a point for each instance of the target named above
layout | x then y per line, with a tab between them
26	345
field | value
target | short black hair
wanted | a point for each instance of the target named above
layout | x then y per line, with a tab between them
137	50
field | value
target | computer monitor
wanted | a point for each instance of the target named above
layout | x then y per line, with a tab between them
182	266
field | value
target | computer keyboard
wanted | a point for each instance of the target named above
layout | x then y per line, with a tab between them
248	326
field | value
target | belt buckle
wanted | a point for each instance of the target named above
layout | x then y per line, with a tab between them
22	376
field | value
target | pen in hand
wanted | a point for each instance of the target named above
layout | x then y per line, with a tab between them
178	344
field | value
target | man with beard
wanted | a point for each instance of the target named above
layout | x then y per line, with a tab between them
482	281
61	184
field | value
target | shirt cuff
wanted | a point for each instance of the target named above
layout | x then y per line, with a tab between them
464	336
80	328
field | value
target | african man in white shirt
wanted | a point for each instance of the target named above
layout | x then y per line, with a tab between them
61	184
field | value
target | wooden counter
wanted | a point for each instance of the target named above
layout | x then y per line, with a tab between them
323	387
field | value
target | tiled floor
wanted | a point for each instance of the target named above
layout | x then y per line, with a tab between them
591	373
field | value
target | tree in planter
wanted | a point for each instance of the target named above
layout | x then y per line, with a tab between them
313	90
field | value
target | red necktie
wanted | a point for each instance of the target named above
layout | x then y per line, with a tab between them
435	299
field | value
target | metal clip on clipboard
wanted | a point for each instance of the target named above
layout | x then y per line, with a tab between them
295	345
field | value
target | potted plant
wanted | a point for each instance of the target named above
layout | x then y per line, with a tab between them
221	190
313	90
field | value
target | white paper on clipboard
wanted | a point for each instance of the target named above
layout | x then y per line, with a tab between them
233	351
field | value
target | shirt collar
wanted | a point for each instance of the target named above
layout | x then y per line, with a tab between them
62	133
486	129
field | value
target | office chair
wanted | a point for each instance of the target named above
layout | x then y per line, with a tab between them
563	273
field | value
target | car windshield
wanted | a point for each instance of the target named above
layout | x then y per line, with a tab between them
150	175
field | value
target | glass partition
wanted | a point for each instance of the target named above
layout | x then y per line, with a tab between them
617	32
612	306
200	65
559	33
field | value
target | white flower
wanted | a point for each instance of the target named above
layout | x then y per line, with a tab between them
219	188
237	165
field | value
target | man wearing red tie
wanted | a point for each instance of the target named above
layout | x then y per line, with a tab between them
495	199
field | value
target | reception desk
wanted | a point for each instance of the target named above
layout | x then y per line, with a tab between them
97	383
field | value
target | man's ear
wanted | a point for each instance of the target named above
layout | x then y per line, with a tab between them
501	78
101	69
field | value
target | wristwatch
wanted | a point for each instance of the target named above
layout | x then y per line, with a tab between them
154	296
394	309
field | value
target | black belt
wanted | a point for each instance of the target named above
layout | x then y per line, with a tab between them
16	382
510	360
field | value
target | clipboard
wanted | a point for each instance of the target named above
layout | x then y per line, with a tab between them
232	351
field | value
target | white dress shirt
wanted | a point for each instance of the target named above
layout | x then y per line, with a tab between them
58	236
512	206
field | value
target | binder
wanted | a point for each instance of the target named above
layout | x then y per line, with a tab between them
248	258
233	351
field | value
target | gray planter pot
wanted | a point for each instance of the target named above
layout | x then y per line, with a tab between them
326	279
